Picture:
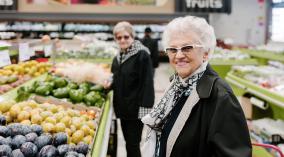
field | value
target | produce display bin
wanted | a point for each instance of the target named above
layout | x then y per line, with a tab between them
222	67
101	139
264	56
273	99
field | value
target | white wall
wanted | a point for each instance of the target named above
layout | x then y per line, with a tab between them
242	25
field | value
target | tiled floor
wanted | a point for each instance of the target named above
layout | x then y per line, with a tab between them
161	81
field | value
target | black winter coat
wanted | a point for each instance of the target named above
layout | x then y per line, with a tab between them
132	85
216	126
152	45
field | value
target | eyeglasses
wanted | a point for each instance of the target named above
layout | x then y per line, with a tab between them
185	49
125	37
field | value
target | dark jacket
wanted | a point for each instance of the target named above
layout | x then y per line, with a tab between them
216	126
132	85
152	45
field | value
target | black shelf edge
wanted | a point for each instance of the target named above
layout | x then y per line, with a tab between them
92	17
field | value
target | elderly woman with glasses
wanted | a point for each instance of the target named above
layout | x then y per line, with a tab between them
132	85
199	115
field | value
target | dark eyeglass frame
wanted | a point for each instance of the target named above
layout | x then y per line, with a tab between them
184	49
125	37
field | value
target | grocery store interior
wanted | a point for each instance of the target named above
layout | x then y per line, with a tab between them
56	55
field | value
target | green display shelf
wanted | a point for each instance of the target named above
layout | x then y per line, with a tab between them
264	56
101	139
275	101
222	67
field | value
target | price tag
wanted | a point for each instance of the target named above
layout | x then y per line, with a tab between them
24	52
47	50
4	58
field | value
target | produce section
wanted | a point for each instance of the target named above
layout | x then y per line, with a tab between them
77	110
53	103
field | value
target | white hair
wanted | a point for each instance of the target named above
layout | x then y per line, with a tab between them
124	26
185	25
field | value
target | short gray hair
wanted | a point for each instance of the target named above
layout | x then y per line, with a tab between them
182	26
124	26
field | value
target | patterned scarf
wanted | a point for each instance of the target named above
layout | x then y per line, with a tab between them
160	112
135	47
167	103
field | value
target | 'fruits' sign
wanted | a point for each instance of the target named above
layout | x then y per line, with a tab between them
217	4
204	6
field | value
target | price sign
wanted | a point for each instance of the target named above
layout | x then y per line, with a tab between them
24	52
47	50
4	58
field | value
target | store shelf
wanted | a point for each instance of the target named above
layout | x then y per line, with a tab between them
274	101
233	62
92	17
222	67
256	90
264	56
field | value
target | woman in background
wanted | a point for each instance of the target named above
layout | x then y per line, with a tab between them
132	85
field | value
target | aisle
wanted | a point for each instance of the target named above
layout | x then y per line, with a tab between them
161	81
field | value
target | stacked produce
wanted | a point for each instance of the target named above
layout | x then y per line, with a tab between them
20	140
226	54
61	88
14	75
52	119
94	50
269	77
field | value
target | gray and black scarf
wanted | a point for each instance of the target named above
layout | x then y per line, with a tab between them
135	47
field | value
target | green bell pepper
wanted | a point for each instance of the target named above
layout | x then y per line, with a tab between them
60	82
91	98
85	86
77	95
61	92
72	85
43	90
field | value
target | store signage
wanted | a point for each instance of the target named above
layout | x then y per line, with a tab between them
47	50
8	5
24	52
4	58
204	6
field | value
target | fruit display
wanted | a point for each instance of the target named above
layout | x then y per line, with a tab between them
80	71
95	49
269	76
61	88
31	68
9	82
14	75
49	118
271	47
20	140
225	54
